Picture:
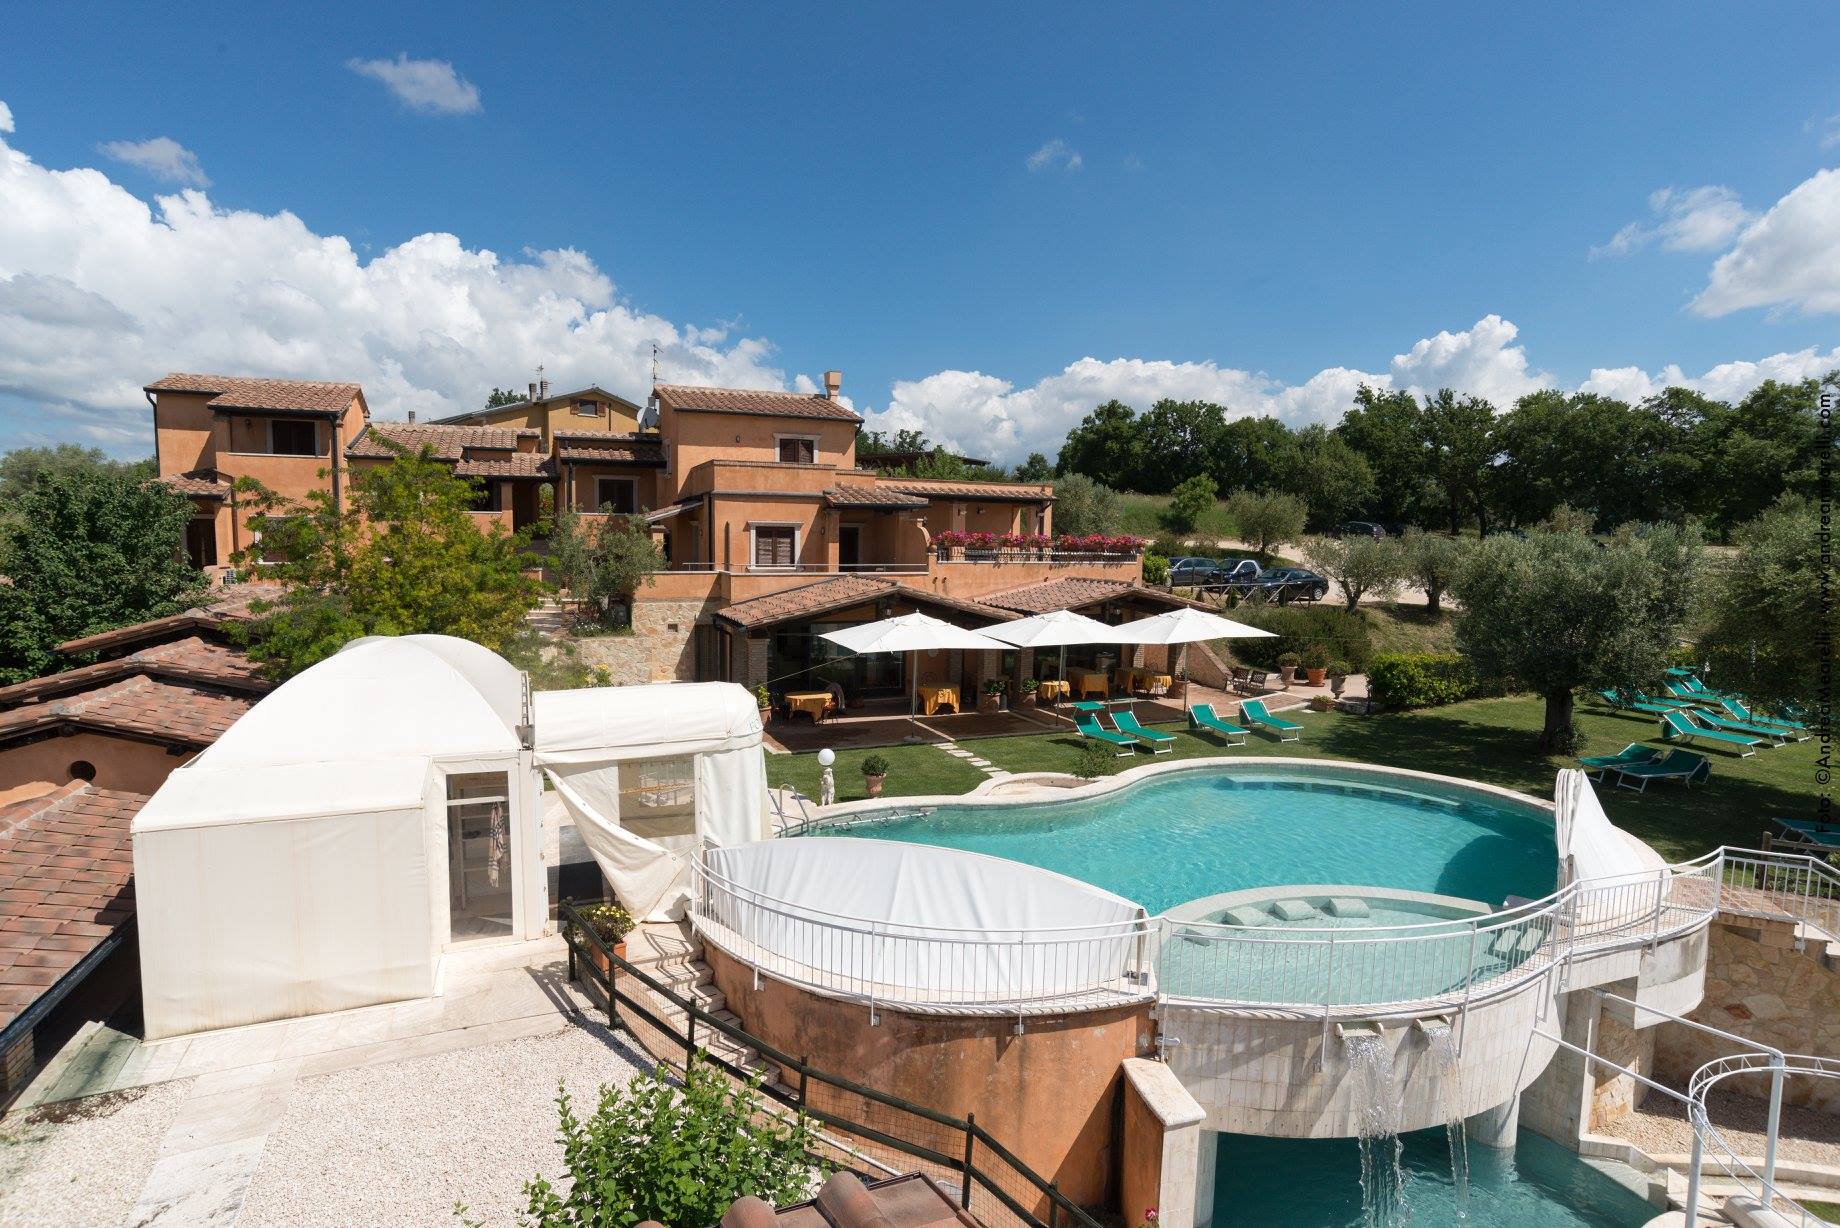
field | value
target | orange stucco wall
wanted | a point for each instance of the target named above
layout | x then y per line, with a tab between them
558	414
694	438
137	767
1049	1094
579	485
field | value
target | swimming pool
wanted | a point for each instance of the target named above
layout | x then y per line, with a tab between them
1188	834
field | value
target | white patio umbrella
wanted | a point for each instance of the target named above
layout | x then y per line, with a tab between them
1055	629
1185	626
910	633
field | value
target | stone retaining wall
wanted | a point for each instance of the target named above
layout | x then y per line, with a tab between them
660	649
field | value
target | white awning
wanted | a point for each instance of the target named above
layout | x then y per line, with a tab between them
1185	626
910	633
1055	629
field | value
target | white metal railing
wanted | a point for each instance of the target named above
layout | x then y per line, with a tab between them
881	962
1438	964
1772	884
1706	1137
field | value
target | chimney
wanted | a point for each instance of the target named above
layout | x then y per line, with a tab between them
533	391
833	384
543	389
412	415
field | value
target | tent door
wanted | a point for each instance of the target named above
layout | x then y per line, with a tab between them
480	884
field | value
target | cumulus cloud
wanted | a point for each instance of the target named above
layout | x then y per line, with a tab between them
162	157
101	293
6	118
1704	219
1788	258
1728	381
1055	155
429	86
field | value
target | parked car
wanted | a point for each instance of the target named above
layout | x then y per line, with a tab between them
1193	572
1292	584
1240	574
1360	528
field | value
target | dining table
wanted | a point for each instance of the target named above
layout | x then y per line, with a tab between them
933	698
815	704
1052	690
1090	682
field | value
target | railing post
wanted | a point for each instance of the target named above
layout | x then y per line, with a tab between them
613	1018
1699	1149
804	1079
1775	1124
1054	1205
964	1189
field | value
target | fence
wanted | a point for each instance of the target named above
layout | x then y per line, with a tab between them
862	1129
997	971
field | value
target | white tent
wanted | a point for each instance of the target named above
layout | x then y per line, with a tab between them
382	808
649	772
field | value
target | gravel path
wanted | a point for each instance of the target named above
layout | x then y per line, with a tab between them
401	1143
1660	1127
83	1164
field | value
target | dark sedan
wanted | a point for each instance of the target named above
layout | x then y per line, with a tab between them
1293	584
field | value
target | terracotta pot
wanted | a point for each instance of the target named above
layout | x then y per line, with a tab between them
874	785
990	703
1027	700
600	961
1316	676
766	716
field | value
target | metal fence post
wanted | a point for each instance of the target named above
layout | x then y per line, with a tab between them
1699	1148
964	1189
1769	1143
804	1079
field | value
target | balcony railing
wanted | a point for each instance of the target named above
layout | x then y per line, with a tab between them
795	569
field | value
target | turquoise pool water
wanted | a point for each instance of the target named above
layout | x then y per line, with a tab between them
1315	1184
1180	837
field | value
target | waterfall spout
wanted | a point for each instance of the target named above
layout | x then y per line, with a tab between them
1443	1047
1383	1179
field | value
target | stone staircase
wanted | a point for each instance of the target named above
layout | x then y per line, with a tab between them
549	618
671	953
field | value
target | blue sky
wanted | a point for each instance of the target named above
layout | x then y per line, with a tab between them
950	203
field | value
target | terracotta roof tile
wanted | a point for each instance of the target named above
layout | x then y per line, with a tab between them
66	883
608	449
841	592
190	659
1075	591
1006	492
173	713
222	606
694	399
445	442
870	496
244	392
201	484
516	465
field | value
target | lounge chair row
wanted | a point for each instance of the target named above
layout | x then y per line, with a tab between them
1642	764
1127	734
1690	722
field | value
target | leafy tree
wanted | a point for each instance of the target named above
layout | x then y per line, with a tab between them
22	467
505	396
1554	612
1753	452
1358	566
1083	506
1431	562
1459	432
1333	480
950	467
1176	442
1266	521
1037	468
1188	503
401	557
87	550
1250	454
680	1155
1106	446
1768	631
603	564
1388	430
871	444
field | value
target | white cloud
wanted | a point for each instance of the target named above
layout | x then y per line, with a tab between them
1728	381
429	86
6	118
1704	219
1055	155
1788	258
101	293
162	157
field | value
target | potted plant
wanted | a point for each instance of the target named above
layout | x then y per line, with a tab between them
1027	697
1316	664
875	771
1338	676
610	924
1287	666
764	699
992	698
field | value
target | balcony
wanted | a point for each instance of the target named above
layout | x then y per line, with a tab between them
1005	548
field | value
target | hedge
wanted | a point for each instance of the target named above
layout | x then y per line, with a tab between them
1343	636
1421	679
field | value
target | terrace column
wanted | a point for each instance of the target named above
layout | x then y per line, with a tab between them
1496	1127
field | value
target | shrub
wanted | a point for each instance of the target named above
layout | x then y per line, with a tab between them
1316	657
1083	506
1421	679
1342	634
1156	569
609	922
875	765
995	686
1093	760
1290	659
1338	669
762	696
678	1155
1188	502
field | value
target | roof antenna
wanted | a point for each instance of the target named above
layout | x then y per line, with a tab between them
654	364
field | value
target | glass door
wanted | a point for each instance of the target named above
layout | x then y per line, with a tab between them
479	877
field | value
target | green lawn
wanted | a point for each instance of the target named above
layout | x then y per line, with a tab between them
1829	1211
1485	739
1406	627
1142	515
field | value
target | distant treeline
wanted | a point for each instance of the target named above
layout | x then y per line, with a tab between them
1449	461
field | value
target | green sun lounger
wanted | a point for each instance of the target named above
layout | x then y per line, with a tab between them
1681	765
1159	743
1254	713
1681	725
1702	691
1737	710
1089	728
1817	833
1630	756
1635	705
1202	717
1718	720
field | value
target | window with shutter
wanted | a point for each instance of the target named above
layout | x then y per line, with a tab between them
773	546
798	451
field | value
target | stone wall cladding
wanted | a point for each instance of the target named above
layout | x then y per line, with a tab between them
654	652
1760	987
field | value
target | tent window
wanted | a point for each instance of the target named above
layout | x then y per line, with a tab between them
479	873
658	797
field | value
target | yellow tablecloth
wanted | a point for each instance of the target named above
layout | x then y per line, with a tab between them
1053	688
813	703
932	698
1158	684
1090	682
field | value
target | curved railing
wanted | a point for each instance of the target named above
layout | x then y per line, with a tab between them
1707	1139
1433	964
921	966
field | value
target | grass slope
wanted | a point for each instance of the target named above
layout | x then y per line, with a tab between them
1143	515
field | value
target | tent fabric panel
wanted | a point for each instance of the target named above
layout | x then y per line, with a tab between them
1589	845
659	720
247	923
197	797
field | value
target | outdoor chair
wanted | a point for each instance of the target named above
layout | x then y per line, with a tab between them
1159	743
1092	731
1681	725
1254	713
1630	756
1738	710
1718	720
1681	765
1824	834
1202	717
1636	705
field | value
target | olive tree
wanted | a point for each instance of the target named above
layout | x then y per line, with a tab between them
1769	633
1431	562
1554	612
1265	520
1358	566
